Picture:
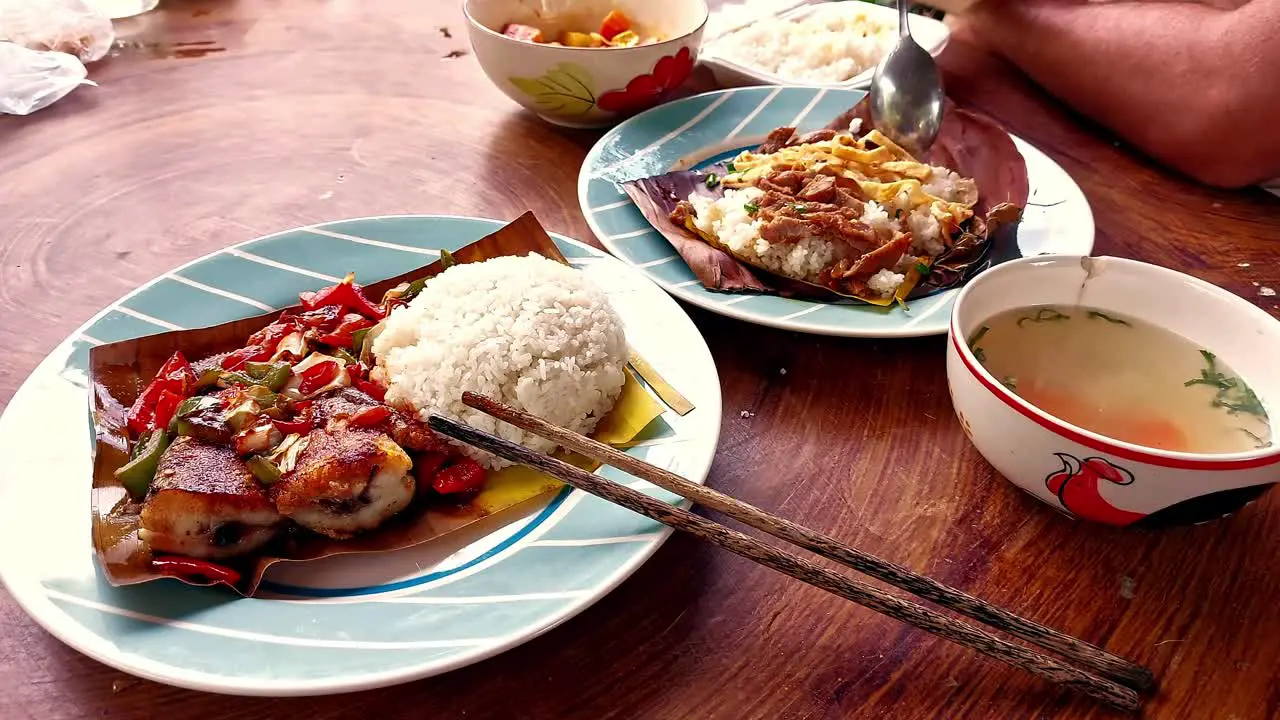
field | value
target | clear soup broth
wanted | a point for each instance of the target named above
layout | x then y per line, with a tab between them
1122	378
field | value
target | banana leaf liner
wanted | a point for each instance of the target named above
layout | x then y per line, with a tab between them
970	144
119	370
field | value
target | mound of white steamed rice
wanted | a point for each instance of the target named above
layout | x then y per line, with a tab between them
527	331
833	42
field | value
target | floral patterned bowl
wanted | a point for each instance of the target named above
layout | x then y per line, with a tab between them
587	87
1082	473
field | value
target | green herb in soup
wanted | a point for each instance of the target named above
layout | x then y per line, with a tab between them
1123	378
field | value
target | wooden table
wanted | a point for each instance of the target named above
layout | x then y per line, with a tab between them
221	121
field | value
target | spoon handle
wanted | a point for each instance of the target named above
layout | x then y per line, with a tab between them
904	9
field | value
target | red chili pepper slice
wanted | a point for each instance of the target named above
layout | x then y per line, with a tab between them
194	570
370	416
237	359
166	406
427	465
466	475
342	335
345	295
175	377
270	336
370	388
317	376
300	425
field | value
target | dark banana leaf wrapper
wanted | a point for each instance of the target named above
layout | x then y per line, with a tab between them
970	144
118	371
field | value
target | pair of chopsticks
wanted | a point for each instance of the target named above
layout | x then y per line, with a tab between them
1101	675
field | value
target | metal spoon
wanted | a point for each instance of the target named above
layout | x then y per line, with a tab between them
906	92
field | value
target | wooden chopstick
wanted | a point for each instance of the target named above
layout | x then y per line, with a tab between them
1082	653
804	570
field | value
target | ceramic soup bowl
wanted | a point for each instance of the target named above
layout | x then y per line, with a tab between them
1085	474
587	87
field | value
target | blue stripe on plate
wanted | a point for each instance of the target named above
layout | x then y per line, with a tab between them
115	325
646	248
571	251
673	272
721	116
595	518
229	656
866	316
335	257
408	231
283	589
603	192
829	107
273	286
359	621
544	569
778	112
77	361
187	306
657	122
618	223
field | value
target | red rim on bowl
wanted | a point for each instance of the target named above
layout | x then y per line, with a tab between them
1119	448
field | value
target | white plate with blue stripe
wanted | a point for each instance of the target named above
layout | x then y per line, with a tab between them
704	129
348	622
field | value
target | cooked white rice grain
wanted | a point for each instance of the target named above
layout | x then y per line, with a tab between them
832	43
926	233
527	331
885	282
878	218
728	219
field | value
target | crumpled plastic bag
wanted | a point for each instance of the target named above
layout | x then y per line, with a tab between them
33	79
69	26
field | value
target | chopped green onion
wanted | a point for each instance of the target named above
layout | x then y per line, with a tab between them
973	343
981	333
923	269
410	292
729	167
1046	314
712	180
1108	318
1233	394
446	262
751	208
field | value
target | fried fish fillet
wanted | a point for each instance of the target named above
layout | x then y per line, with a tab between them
205	503
346	481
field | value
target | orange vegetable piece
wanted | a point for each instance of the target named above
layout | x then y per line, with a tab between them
527	33
614	23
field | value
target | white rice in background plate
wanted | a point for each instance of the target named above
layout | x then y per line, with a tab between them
830	44
527	331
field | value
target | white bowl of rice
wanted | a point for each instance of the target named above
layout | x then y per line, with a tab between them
825	43
529	332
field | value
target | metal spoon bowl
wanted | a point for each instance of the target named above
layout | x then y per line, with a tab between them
906	92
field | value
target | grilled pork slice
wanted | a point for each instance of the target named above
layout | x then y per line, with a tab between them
345	481
205	503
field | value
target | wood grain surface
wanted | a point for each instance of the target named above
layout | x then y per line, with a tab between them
218	121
